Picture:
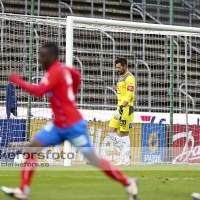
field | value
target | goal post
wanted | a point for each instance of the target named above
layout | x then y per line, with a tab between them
92	45
69	62
143	28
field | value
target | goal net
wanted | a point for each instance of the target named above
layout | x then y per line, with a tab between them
92	45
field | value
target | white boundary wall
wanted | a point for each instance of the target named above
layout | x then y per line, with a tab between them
102	115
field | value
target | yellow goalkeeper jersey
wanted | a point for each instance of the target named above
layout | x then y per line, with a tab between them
126	89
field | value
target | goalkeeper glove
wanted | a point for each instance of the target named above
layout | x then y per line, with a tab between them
118	113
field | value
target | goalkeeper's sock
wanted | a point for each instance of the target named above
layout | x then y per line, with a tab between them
114	137
113	172
126	145
125	151
27	172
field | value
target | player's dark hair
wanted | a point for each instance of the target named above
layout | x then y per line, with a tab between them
122	61
52	48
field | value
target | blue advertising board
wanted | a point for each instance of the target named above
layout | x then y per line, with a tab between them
12	130
153	143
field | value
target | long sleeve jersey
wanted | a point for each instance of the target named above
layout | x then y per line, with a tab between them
61	84
126	89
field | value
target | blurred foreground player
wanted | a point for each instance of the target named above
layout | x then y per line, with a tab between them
196	196
61	84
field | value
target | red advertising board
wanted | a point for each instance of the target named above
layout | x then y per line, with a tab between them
180	148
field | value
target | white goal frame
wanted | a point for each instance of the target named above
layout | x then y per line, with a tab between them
145	26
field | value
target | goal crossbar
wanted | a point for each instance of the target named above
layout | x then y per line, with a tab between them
71	21
146	26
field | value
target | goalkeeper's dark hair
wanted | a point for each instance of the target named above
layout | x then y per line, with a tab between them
52	48
122	61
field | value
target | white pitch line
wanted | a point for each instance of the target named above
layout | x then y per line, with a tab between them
170	179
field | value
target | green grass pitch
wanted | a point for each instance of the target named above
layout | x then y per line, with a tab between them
156	182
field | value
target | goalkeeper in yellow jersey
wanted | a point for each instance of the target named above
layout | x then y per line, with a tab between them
123	117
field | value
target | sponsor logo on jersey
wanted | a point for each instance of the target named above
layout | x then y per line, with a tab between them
130	88
123	122
49	94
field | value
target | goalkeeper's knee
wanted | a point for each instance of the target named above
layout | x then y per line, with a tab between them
114	137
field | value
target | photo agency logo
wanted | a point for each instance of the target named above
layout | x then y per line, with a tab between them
45	156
